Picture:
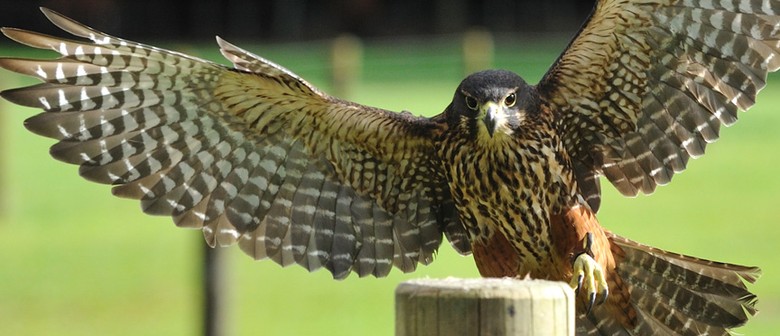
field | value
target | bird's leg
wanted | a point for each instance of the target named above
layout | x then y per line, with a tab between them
588	274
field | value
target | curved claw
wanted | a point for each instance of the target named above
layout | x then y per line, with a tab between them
591	301
589	275
576	283
604	295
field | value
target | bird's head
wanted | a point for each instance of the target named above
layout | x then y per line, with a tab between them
491	104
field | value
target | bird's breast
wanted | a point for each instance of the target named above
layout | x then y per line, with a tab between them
510	190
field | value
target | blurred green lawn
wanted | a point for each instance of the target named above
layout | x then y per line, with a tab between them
76	261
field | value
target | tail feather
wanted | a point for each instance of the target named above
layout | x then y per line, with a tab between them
708	308
650	325
675	294
585	326
657	311
729	274
600	321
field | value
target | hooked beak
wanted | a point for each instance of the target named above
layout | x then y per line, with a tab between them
490	110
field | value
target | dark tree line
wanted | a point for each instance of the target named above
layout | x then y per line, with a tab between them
302	19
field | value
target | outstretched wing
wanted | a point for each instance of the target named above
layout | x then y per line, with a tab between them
646	84
252	155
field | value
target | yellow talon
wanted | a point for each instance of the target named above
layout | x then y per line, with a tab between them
589	275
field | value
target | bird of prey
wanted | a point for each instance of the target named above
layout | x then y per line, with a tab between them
254	155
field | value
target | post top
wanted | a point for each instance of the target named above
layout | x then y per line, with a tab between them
485	287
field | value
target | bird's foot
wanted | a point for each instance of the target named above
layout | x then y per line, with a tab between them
588	275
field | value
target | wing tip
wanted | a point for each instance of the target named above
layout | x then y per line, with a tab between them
7	30
8	63
19	96
46	11
222	42
18	35
54	16
69	25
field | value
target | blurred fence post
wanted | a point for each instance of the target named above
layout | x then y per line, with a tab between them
4	156
215	277
346	57
477	50
216	301
476	307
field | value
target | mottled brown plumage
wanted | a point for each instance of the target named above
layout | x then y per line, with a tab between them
255	156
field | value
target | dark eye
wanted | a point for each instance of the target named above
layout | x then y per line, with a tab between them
471	103
510	100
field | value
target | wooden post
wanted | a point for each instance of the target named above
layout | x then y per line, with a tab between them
346	58
215	278
5	108
471	307
477	50
215	296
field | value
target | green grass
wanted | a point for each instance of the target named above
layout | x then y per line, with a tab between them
76	261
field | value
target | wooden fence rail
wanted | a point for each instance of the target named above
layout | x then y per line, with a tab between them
472	307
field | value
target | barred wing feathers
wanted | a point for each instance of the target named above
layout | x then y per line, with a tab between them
252	155
646	85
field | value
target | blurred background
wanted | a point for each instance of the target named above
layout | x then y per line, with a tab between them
76	261
288	20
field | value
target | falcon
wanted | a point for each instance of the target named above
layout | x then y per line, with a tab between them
254	155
